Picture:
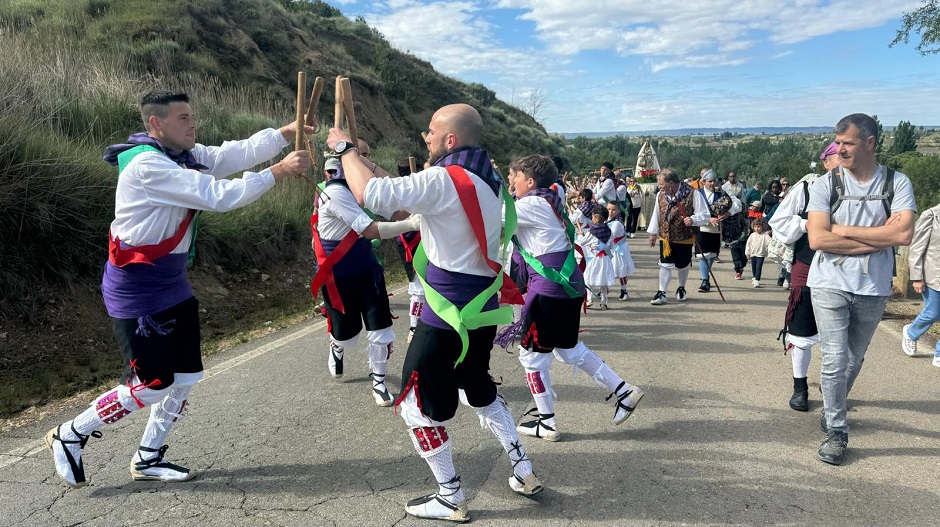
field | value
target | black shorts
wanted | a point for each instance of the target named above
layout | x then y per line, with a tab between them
802	322
709	242
156	349
364	299
432	354
681	255
556	320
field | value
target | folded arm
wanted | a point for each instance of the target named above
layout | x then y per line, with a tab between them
822	238
898	230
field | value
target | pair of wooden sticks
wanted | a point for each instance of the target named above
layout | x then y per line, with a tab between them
307	112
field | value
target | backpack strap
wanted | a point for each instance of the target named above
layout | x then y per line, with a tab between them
836	190
805	199
888	191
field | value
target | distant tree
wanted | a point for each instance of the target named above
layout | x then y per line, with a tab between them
533	102
924	21
905	139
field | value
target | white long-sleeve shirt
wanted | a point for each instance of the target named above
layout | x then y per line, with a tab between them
539	229
700	216
340	212
154	194
445	230
786	223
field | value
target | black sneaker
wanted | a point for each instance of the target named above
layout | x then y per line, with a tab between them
832	450
800	401
681	295
705	287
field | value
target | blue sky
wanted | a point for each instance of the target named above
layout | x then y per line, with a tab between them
624	65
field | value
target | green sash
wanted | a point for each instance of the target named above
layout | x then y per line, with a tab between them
472	315
562	278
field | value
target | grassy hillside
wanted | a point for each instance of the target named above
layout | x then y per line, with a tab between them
73	72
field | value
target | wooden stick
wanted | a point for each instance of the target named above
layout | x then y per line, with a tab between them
338	116
314	105
350	112
412	164
301	110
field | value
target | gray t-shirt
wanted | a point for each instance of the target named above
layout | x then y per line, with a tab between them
850	276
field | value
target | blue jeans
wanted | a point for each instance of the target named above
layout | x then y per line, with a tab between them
846	323
928	316
757	264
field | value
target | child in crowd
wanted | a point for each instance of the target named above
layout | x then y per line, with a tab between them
581	215
599	271
620	255
757	248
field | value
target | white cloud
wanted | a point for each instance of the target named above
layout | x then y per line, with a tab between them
671	30
457	39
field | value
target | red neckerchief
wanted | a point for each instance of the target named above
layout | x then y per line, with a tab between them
410	246
146	254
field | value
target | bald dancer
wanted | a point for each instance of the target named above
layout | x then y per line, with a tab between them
460	199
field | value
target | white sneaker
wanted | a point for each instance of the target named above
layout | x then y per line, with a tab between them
380	391
435	507
67	454
155	469
681	295
786	284
411	335
909	345
659	299
936	361
526	486
626	402
537	428
335	361
755	283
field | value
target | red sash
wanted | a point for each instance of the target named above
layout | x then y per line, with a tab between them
325	264
146	254
410	247
466	191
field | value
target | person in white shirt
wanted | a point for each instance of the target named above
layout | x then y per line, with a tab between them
606	184
636	205
460	198
164	177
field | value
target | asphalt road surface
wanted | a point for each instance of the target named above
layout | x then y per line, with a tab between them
277	441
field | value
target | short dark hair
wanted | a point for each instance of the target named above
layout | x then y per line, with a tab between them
669	175
157	103
608	164
614	203
587	194
559	163
867	127
600	210
540	168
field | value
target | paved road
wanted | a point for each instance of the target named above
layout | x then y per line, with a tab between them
278	442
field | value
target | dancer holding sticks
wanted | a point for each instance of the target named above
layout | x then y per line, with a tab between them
164	178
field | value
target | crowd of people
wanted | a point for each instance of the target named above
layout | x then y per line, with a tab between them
454	221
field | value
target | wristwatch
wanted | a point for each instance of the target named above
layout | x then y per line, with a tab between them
343	146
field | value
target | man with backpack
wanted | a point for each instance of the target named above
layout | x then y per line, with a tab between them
856	214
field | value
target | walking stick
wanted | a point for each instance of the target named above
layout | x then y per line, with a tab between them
699	249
